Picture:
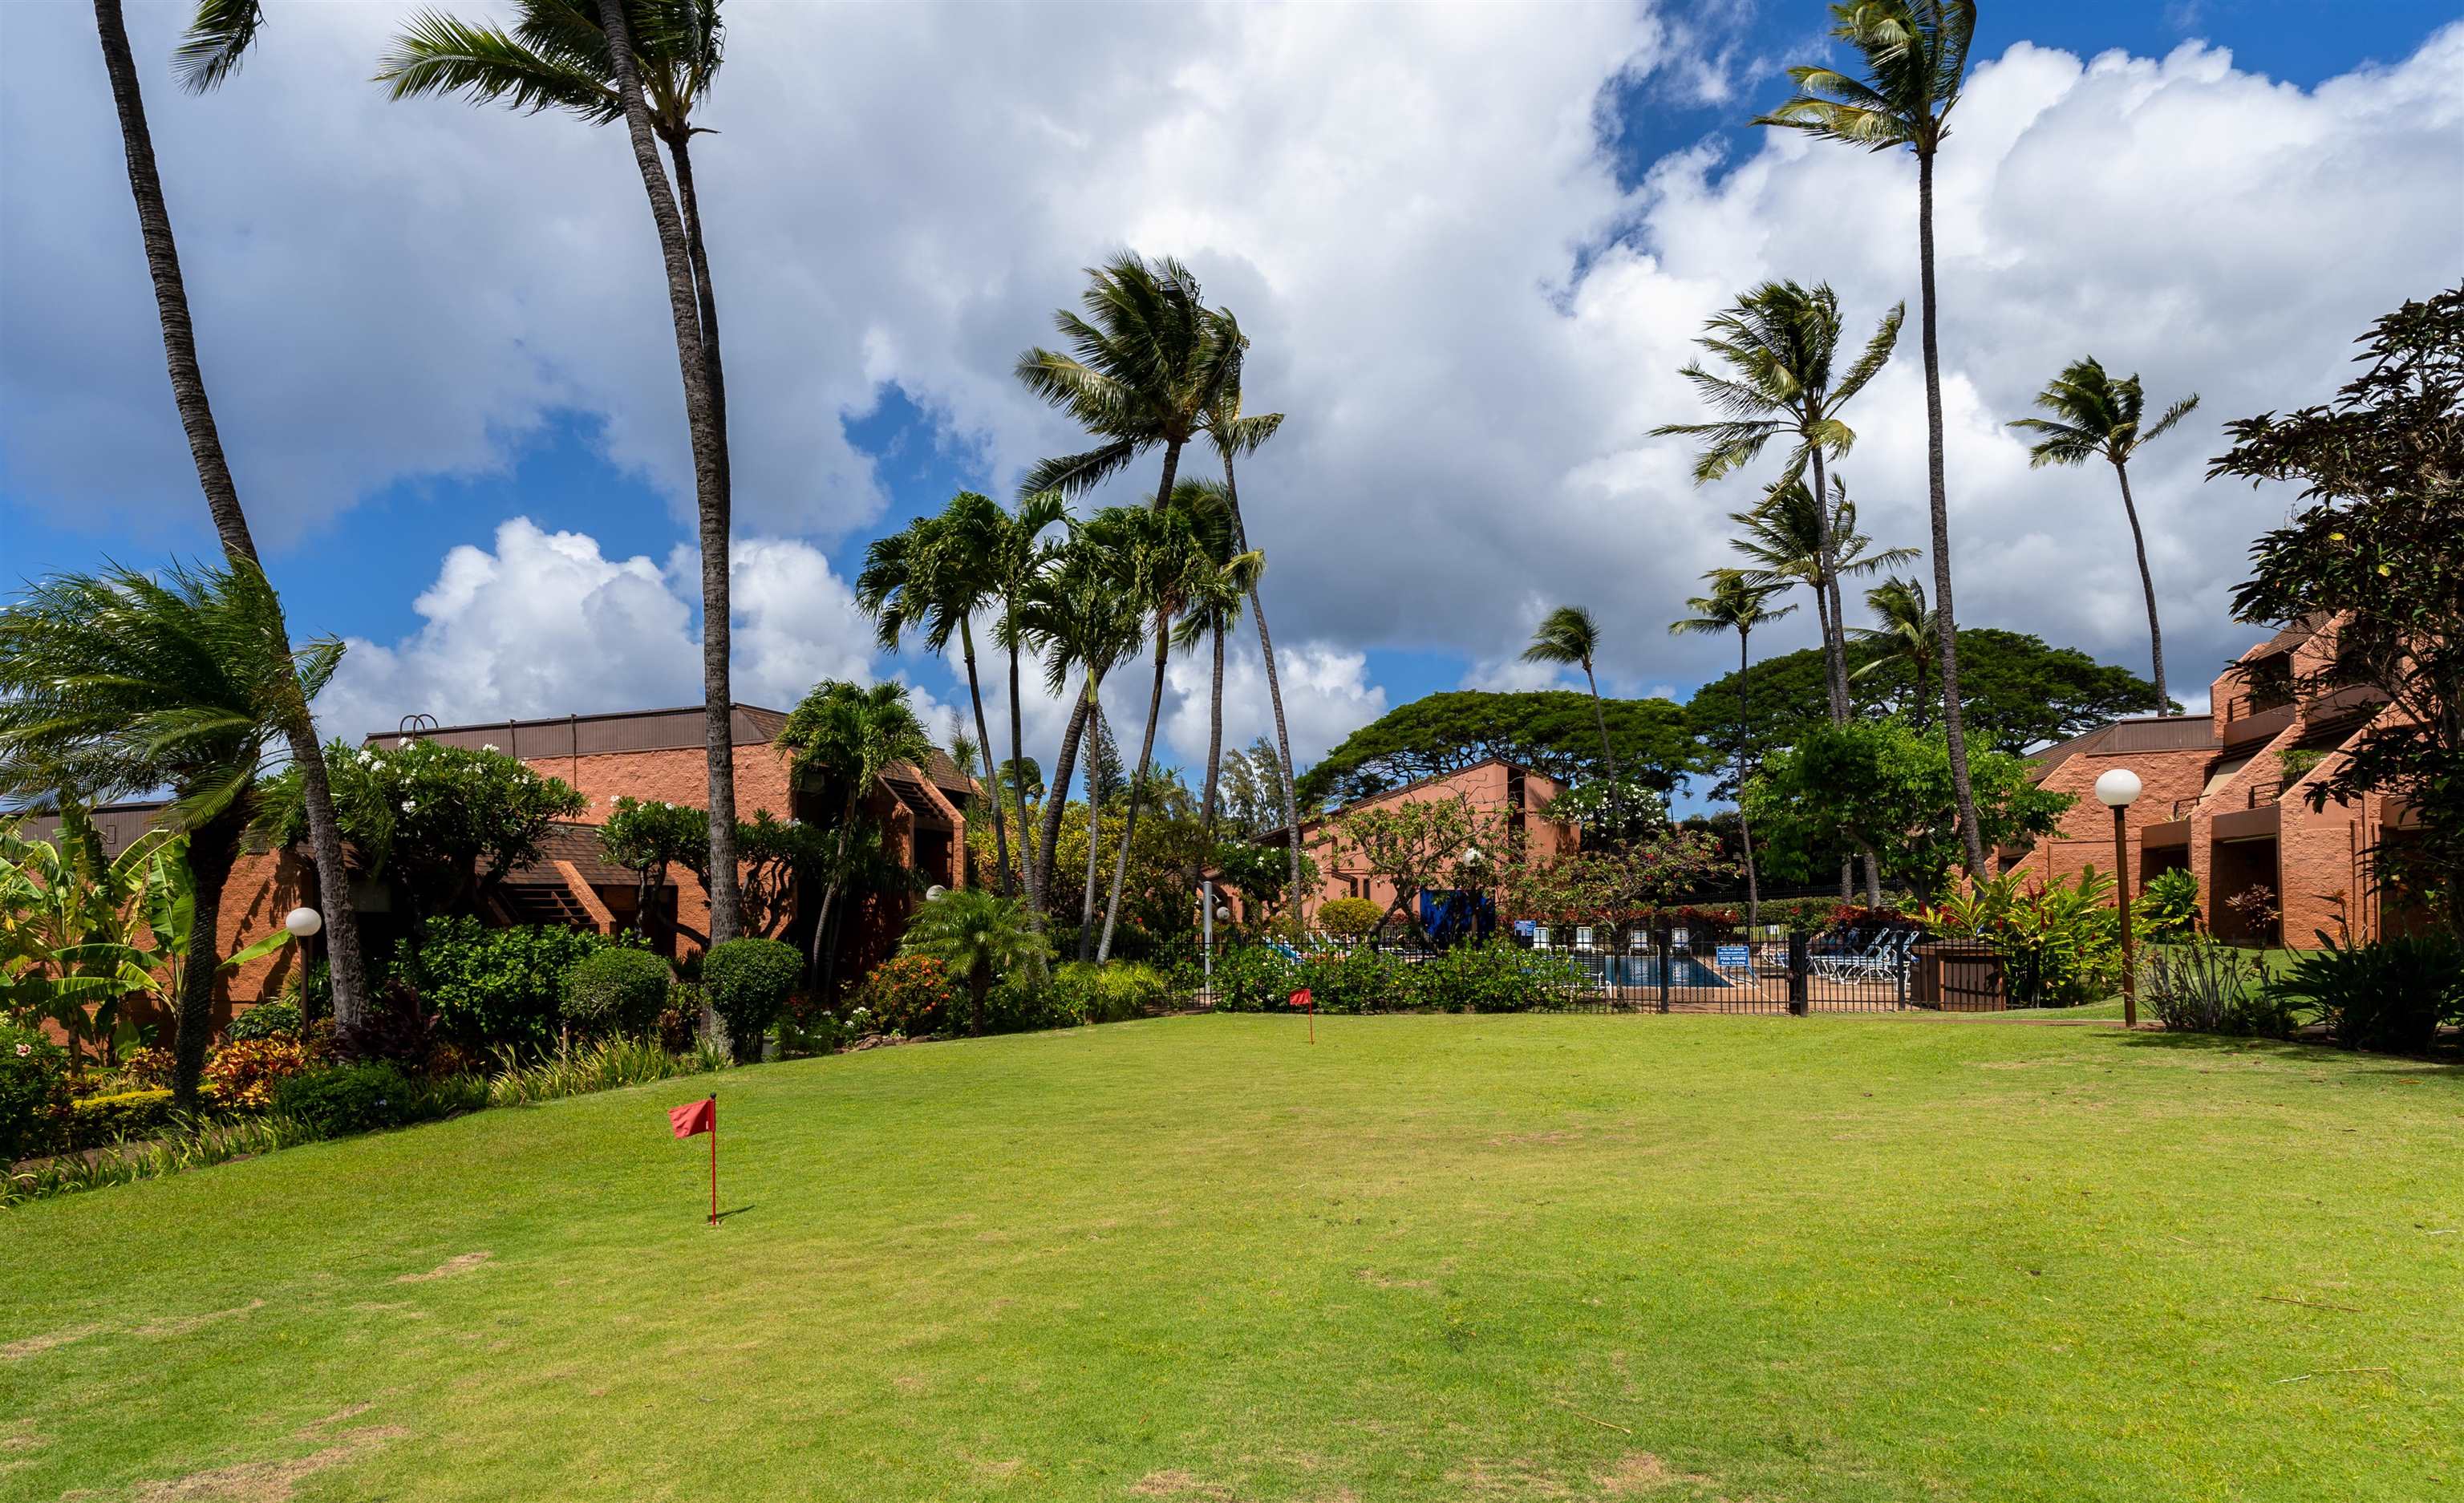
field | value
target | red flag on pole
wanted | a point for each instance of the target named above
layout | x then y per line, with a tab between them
1301	999
697	1118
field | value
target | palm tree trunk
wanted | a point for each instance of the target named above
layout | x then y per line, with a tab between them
1056	798
1095	812
1745	835
1873	876
342	959
1826	589
1214	741
695	356
212	847
984	740
1137	786
2147	583
1274	694
1945	619
1027	861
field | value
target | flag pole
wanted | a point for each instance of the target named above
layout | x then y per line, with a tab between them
713	1158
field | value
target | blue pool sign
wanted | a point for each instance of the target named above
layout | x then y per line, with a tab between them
1734	955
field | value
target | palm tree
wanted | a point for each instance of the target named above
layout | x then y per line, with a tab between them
1736	604
935	576
1567	634
1779	344
1916	63
2095	416
217	39
839	730
976	933
1234	433
1793	542
1212	611
1018	557
1077	615
1905	635
117	683
648	64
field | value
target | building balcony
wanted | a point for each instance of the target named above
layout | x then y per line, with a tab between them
2172	832
2260	823
2257	725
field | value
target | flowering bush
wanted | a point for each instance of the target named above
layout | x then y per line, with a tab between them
33	1089
146	1069
911	994
243	1074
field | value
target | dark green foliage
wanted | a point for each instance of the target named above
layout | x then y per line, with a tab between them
2167	907
267	1020
748	982
1497	977
33	1089
398	1029
490	987
915	995
1551	732
2200	986
350	1098
2388	996
616	991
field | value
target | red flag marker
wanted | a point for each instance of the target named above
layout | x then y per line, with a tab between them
701	1116
1301	999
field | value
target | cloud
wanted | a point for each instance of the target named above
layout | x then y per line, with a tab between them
1470	323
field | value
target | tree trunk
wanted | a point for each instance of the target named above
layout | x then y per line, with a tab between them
984	740
2147	583
1946	618
1599	717
1056	797
1745	835
1873	876
696	354
1026	860
342	958
1137	786
211	849
1275	697
1094	813
1826	591
1214	741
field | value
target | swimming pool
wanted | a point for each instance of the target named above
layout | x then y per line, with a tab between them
1641	972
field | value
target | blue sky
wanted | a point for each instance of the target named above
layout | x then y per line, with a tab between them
356	564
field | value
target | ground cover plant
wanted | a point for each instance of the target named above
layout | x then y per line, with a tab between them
1198	1258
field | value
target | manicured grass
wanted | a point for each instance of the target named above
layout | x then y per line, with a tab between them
1430	1258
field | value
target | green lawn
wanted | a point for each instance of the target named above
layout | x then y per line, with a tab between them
1430	1258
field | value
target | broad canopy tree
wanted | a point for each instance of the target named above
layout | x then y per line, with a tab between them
1553	732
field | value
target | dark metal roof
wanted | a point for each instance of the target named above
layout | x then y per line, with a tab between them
2126	737
119	823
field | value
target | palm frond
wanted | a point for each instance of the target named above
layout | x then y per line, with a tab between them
217	38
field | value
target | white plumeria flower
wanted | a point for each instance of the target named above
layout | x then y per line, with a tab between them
407	804
488	746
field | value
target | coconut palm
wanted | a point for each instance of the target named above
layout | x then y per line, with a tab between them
1905	635
118	683
648	64
2096	417
1019	555
840	731
1076	614
217	39
932	577
1791	541
1145	369
1212	611
1778	345
1235	434
976	933
1736	604
1569	636
1916	63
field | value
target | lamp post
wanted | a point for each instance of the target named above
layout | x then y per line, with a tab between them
2119	789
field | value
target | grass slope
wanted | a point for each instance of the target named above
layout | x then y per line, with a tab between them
1430	1258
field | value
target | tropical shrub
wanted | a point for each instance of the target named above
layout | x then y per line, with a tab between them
2390	995
748	982
2061	943
2200	986
679	1023
1497	977
33	1089
267	1020
2167	908
489	987
145	1068
1253	978
914	995
349	1098
616	991
980	934
242	1073
122	1116
1109	993
601	1066
1349	918
398	1028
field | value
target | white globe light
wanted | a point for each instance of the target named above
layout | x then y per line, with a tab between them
2118	788
303	922
934	891
1223	912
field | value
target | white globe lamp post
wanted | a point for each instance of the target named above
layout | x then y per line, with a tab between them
2116	789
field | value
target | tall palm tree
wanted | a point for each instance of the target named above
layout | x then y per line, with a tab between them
1569	636
837	731
1916	63
1736	604
933	576
1778	345
1211	613
1793	542
1019	555
1234	433
977	934
217	39
118	682
1076	614
2095	416
648	64
1905	635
